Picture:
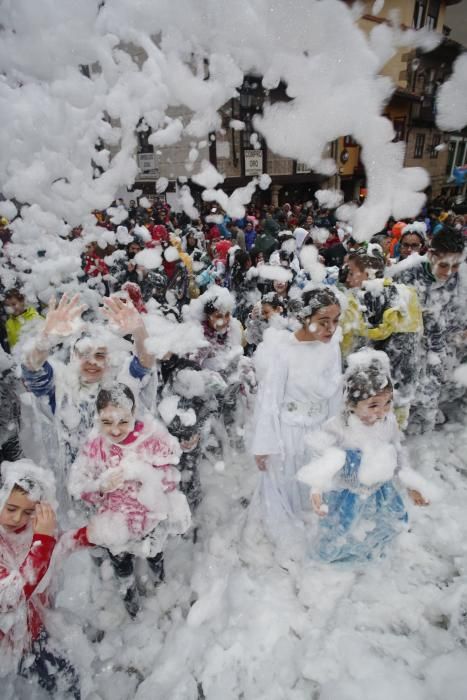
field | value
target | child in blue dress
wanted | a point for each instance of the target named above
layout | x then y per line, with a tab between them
358	466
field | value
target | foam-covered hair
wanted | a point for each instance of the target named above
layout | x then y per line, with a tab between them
214	299
418	227
368	374
37	482
315	299
273	300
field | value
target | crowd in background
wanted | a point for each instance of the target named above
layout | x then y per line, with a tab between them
279	299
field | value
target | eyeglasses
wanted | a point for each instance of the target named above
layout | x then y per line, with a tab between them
412	246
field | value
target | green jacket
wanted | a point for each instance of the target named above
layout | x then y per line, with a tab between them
14	325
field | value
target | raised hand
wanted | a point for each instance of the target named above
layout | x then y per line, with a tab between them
61	319
122	314
44	521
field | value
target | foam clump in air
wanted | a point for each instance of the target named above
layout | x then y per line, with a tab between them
101	111
451	98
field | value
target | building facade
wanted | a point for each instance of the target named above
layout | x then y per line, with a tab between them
240	154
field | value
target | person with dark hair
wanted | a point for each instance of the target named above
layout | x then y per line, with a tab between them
250	235
213	310
265	243
383	239
230	373
412	240
10	414
336	254
125	474
122	267
264	313
436	280
384	316
241	285
190	241
184	408
20	316
356	465
299	388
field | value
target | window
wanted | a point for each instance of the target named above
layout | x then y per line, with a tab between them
399	128
419	14
426	13
460	160
143	132
433	14
251	103
419	146
436	140
451	153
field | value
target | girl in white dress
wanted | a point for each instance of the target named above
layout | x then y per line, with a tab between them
299	389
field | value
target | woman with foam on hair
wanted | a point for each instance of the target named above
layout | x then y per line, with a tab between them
300	388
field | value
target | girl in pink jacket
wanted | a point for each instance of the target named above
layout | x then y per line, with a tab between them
125	475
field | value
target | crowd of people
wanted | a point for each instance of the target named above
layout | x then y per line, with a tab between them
278	334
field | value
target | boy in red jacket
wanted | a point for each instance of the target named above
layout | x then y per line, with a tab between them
27	542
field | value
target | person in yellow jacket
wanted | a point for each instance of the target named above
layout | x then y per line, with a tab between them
192	288
19	315
385	316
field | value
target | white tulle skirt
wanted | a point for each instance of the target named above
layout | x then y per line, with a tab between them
280	508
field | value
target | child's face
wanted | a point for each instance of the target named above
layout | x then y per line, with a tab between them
17	511
219	321
280	287
14	306
116	422
444	266
268	311
355	276
323	323
374	409
410	243
92	364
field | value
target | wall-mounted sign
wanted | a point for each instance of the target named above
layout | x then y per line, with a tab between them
147	166
253	162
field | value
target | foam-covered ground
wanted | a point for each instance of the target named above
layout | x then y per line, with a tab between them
230	622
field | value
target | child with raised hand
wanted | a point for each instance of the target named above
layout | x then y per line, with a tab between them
356	474
125	474
66	392
28	538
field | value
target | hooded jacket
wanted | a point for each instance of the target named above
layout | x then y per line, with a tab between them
147	504
25	565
